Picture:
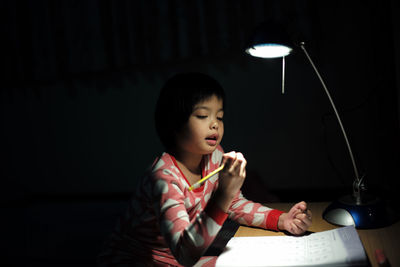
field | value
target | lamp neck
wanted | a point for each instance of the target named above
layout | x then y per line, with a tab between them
357	185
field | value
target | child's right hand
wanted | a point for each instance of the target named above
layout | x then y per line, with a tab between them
231	178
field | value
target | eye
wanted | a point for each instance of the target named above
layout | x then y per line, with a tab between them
220	118
201	116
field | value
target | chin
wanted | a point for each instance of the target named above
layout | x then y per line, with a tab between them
211	149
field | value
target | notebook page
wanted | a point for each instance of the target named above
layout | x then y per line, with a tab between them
338	247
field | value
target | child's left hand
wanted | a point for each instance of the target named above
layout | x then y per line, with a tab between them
297	220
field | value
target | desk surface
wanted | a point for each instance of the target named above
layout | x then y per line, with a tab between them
387	238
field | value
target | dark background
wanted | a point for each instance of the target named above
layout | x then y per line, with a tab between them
80	80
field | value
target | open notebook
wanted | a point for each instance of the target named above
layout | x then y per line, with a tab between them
338	247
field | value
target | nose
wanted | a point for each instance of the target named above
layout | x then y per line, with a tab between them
214	125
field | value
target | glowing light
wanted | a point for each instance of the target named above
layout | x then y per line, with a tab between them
269	50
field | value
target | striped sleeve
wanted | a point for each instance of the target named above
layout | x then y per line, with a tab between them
188	238
250	213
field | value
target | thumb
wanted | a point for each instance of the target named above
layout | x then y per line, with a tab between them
298	208
302	205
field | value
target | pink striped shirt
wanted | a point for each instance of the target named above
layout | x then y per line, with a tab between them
168	225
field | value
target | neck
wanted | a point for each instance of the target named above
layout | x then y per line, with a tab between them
190	161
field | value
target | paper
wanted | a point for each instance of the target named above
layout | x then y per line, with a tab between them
338	247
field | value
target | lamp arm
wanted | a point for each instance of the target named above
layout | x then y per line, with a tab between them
357	183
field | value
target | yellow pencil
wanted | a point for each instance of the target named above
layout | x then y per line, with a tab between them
202	180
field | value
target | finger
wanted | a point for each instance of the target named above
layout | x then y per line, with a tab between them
301	225
294	211
309	214
227	156
305	219
294	229
227	162
228	159
224	160
305	216
242	171
301	205
235	167
240	156
302	215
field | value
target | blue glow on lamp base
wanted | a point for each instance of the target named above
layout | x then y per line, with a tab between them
371	213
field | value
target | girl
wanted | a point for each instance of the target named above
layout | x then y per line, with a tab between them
167	224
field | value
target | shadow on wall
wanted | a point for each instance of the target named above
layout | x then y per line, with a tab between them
254	188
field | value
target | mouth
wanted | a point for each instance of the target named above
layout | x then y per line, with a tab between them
212	139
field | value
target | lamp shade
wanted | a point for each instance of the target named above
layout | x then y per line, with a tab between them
269	40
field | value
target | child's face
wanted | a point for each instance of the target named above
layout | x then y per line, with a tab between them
204	129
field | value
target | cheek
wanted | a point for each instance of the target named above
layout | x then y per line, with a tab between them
183	136
190	135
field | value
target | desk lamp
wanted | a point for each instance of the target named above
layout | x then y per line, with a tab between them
271	40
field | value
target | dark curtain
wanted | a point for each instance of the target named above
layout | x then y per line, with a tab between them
52	40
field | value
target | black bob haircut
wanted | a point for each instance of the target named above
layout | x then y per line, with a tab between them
177	99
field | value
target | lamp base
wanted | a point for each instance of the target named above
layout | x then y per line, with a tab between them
371	213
